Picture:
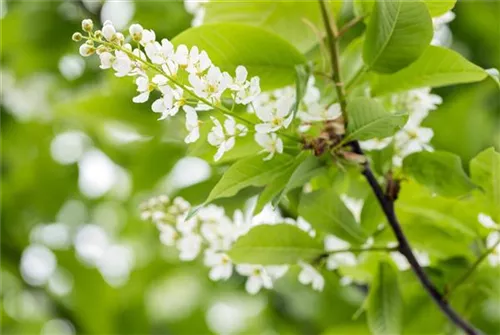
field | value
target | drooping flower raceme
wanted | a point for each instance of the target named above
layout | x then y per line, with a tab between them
157	65
212	233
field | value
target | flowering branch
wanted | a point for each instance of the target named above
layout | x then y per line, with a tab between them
386	202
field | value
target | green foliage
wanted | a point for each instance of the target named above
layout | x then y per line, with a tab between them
485	172
295	175
289	19
397	34
436	67
368	119
325	211
441	171
251	171
263	53
439	7
384	303
275	244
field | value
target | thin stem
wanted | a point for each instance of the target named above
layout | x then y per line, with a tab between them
470	271
387	204
349	25
331	33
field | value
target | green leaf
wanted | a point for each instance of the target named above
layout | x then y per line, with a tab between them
485	172
275	244
273	190
385	303
368	119
251	171
289	19
363	7
263	53
441	171
397	34
439	7
302	72
325	211
436	67
371	215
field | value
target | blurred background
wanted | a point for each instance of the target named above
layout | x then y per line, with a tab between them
77	158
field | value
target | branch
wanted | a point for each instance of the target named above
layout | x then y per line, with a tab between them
405	249
387	205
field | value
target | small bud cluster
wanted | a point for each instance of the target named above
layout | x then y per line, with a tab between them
212	233
156	66
412	137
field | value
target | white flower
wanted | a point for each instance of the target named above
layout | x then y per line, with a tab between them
170	68
107	60
189	246
198	63
487	221
275	117
240	81
411	140
86	50
260	276
143	88
170	102
210	86
122	64
159	53
192	125
318	112
224	137
309	275
248	93
148	36
108	31
376	143
168	235
135	31
270	142
491	241
220	263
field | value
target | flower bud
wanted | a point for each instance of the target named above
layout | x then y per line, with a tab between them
108	31
77	37
101	49
86	50
98	34
119	38
87	25
135	31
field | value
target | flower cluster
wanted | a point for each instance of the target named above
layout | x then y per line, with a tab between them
412	137
212	233
158	66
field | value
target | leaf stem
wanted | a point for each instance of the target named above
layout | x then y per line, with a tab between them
385	202
470	271
350	24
